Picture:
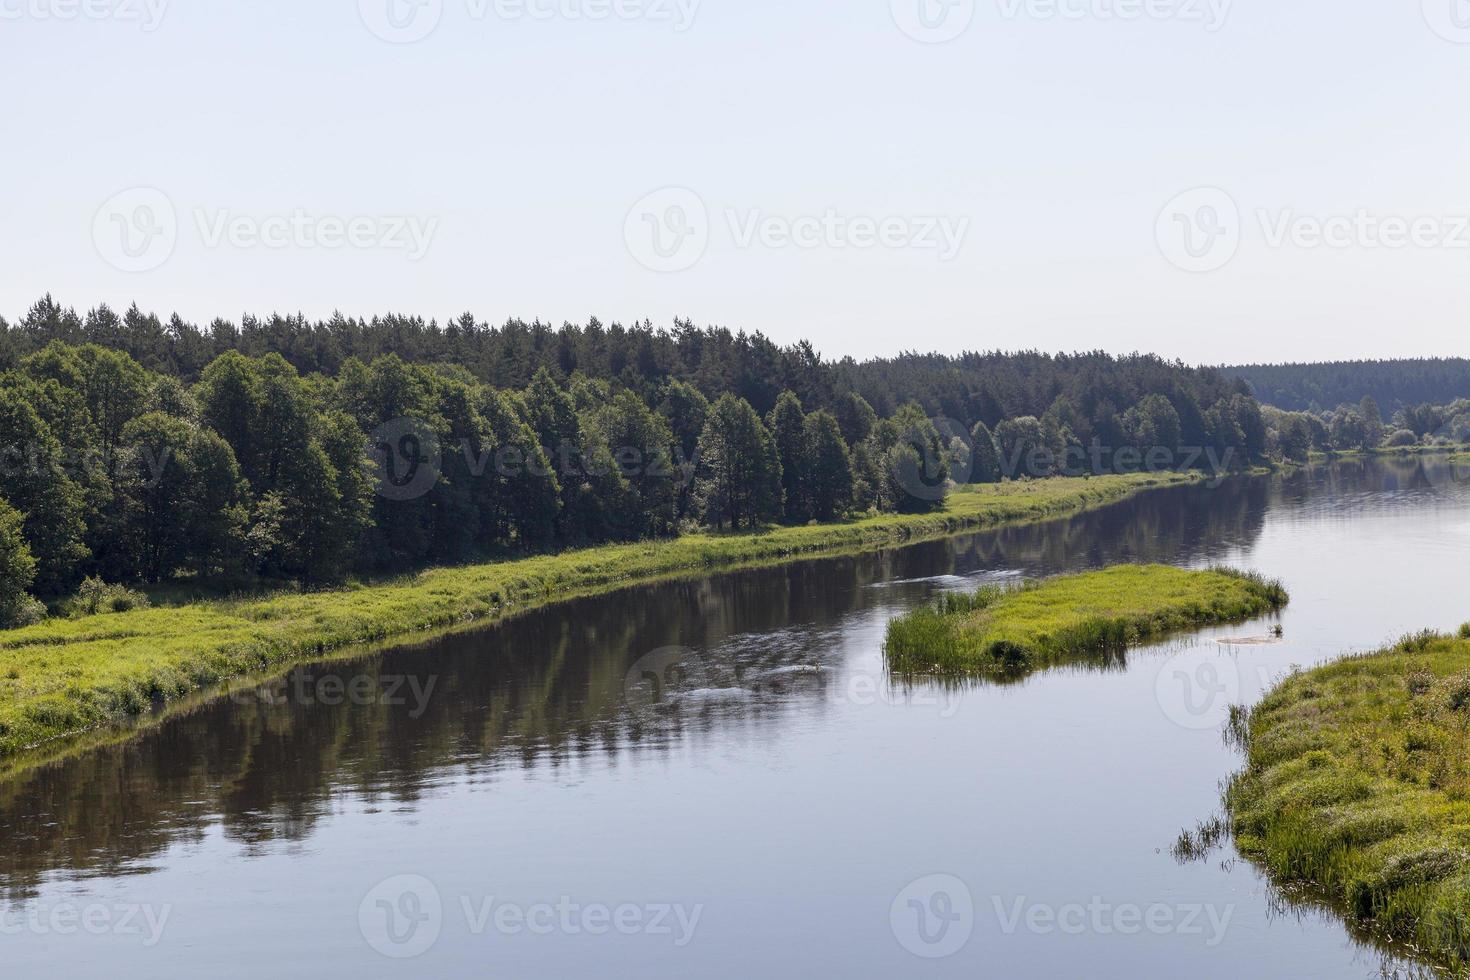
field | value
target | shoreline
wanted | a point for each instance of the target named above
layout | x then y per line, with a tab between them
1354	791
66	678
1008	633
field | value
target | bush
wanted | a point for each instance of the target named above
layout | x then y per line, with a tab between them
23	611
96	596
1401	438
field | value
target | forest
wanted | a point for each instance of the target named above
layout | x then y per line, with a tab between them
138	451
1393	385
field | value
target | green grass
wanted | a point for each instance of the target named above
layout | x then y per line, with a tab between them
1357	786
64	677
1009	632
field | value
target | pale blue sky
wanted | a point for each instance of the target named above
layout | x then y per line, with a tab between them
515	148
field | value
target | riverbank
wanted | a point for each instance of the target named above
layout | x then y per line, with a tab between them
1010	632
64	677
1357	787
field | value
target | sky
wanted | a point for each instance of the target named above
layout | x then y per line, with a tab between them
1217	181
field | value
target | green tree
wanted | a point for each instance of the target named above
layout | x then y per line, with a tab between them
740	473
984	457
1153	425
1023	447
229	396
522	494
181	494
685	408
117	392
855	416
1372	419
915	462
829	477
33	481
644	451
787	424
17	570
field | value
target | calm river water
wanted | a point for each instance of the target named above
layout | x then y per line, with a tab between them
715	778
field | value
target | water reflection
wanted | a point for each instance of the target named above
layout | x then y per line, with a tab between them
758	648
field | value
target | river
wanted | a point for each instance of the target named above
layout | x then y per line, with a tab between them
715	778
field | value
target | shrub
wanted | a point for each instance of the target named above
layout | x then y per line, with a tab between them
96	596
24	611
1455	691
1401	438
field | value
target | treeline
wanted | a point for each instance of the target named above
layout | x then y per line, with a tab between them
1295	435
1393	385
139	460
969	388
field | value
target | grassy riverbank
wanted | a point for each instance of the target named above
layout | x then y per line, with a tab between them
66	676
1008	632
1358	786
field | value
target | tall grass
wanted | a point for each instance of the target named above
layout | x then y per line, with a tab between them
1011	631
66	676
1357	785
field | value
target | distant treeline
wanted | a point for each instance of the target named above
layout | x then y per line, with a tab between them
138	450
1393	385
970	388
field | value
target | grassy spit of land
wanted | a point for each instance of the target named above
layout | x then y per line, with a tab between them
67	676
1008	632
1357	786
